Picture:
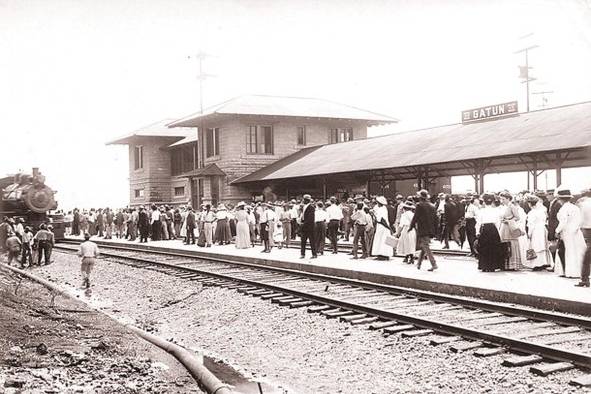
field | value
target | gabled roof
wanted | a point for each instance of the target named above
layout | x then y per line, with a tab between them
566	127
284	106
208	170
157	129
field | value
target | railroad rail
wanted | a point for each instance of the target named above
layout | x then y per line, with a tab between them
549	341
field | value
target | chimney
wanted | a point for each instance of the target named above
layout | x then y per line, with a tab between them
35	172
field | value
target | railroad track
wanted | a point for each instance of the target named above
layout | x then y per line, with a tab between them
548	342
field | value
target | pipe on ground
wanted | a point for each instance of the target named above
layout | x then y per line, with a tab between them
201	374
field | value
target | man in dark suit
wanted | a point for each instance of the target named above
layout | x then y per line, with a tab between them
555	206
190	238
143	224
307	227
424	221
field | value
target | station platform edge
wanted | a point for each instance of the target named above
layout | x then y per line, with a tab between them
456	275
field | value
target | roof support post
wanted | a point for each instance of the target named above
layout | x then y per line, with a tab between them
559	162
535	172
324	189
367	184
481	182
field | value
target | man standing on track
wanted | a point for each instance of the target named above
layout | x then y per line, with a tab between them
88	252
43	238
307	228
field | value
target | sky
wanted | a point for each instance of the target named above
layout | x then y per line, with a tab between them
76	74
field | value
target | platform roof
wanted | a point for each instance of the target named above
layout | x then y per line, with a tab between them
156	129
261	105
548	130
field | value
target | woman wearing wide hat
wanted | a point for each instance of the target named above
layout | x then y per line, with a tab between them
380	249
222	230
407	239
509	232
242	227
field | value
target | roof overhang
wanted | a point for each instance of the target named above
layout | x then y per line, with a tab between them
207	171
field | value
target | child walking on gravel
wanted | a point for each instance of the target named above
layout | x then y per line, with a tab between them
88	252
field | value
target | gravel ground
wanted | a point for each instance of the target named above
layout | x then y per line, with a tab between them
70	348
289	348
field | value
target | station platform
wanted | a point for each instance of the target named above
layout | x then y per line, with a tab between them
457	274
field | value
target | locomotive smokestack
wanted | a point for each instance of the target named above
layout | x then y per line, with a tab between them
35	172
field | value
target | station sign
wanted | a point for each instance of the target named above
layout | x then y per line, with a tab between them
490	112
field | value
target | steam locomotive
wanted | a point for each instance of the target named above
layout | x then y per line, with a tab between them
26	196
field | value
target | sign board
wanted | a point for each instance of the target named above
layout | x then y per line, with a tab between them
490	112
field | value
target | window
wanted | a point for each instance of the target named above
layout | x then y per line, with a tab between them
212	139
183	159
302	135
138	157
341	135
259	140
139	193
179	191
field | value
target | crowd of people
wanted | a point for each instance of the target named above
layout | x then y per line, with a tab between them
504	231
23	247
530	230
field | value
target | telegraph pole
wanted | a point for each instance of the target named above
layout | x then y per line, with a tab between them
524	71
202	76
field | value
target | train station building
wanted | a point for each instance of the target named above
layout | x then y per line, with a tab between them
168	164
279	147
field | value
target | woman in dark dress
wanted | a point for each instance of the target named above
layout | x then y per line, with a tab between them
490	250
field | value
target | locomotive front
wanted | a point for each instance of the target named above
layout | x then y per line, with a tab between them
27	196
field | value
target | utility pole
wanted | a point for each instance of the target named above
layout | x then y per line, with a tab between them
202	76
544	99
524	70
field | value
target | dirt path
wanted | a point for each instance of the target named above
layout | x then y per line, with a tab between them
72	349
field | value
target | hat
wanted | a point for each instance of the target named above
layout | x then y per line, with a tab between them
221	206
21	220
293	202
240	204
359	197
399	196
488	198
408	205
424	194
382	200
306	196
333	199
562	192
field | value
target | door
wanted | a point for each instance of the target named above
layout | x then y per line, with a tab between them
195	193
215	190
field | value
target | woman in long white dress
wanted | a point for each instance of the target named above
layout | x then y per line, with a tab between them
523	241
184	213
242	228
407	240
380	249
537	235
569	229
